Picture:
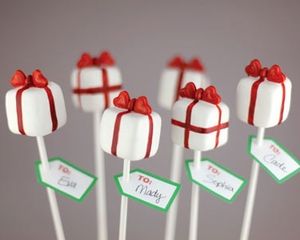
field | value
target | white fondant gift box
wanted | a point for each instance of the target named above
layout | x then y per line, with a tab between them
199	119
35	107
130	130
95	82
177	74
263	98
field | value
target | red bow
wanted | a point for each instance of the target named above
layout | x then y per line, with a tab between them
86	60
139	105
209	94
274	74
37	79
194	64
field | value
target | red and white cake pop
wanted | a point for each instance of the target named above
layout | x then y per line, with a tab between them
35	107
95	82
263	98
177	74
200	119
130	129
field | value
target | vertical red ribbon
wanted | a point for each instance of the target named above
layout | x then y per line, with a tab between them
105	86
253	97
219	124
282	103
114	145
179	83
79	86
188	117
115	139
52	108
20	111
150	137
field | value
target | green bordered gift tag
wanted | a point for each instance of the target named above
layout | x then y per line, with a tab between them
216	179
66	179
274	158
148	189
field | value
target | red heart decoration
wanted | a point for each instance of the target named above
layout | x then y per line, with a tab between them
38	79
195	64
105	58
122	101
18	79
142	106
177	62
85	60
199	93
253	69
188	91
275	74
210	95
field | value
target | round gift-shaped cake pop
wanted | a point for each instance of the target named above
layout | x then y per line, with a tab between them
95	82
263	98
130	130
199	119
35	107
177	74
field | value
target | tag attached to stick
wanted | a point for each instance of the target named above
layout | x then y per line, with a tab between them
148	189
274	158
66	179
216	179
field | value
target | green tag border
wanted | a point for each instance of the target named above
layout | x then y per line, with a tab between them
219	196
292	174
44	184
174	195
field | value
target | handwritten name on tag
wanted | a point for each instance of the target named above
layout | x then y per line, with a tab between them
148	189
216	179
65	178
274	158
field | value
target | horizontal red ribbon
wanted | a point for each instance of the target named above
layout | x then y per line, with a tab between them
199	129
96	90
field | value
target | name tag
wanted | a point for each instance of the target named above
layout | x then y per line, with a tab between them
278	162
148	189
65	178
216	179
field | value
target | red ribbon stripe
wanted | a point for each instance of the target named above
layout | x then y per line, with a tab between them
188	127
117	125
19	110
105	89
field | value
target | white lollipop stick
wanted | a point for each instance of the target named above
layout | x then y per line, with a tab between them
195	200
252	190
100	187
51	194
176	169
124	203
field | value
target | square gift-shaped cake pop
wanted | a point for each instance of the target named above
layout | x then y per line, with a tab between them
177	74
130	130
95	82
264	97
35	107
200	119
